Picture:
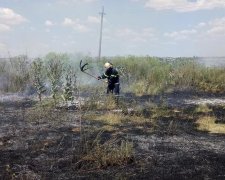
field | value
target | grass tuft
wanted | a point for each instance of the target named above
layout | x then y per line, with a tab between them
98	154
207	123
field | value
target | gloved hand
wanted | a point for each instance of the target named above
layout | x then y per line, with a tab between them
99	77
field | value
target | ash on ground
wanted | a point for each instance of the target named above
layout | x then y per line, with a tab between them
48	149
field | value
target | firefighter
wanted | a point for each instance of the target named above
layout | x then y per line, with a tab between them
112	76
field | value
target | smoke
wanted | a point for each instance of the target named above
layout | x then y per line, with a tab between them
3	83
93	69
212	61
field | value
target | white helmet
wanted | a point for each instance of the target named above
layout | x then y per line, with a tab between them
107	65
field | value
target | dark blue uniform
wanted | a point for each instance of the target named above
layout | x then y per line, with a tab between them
112	76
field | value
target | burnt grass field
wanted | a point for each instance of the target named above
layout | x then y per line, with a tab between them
59	143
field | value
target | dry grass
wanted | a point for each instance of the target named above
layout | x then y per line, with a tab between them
111	118
111	153
100	102
207	123
47	113
203	109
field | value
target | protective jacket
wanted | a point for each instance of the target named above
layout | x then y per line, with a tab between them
112	75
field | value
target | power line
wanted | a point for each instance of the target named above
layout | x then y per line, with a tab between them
100	38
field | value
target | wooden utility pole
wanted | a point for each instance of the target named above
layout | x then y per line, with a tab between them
100	38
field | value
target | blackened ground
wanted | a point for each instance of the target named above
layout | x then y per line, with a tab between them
178	98
44	150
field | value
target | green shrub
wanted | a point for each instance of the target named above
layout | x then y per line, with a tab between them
38	77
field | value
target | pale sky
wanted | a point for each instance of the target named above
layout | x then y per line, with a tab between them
130	27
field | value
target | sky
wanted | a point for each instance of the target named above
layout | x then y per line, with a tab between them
163	28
